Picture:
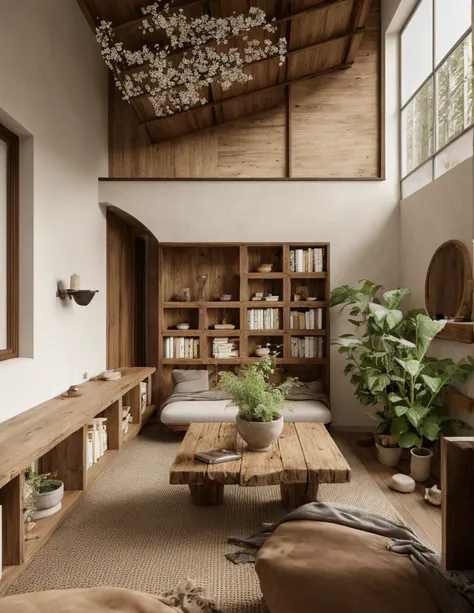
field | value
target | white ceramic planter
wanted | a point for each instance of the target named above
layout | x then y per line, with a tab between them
48	503
388	456
259	436
420	463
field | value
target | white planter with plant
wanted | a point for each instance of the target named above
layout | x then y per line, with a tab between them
44	495
259	402
388	366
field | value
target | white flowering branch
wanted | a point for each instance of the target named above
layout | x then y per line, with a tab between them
173	85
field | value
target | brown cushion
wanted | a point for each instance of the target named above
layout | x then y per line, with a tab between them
307	566
93	600
190	381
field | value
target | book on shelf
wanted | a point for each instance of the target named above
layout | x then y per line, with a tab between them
182	348
263	319
307	260
96	440
306	347
143	395
224	348
311	319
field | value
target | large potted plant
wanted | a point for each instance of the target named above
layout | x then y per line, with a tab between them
259	402
388	366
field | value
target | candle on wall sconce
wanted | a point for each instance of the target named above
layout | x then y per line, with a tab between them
75	283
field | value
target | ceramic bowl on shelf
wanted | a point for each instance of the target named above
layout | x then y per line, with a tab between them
272	298
224	327
262	352
226	297
73	392
110	375
183	326
265	268
311	298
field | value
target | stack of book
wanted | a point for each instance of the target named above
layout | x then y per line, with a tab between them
306	347
96	440
126	418
225	348
143	396
307	260
311	319
263	319
181	348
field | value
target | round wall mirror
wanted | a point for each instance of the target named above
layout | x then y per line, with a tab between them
448	288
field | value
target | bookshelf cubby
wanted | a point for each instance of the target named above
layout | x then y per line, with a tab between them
54	436
232	268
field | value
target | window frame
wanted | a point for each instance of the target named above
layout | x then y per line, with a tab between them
433	75
13	193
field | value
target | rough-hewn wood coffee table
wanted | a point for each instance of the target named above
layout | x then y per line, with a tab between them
304	456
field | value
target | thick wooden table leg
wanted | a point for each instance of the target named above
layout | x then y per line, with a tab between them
208	493
293	495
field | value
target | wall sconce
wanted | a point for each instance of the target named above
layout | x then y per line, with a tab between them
82	297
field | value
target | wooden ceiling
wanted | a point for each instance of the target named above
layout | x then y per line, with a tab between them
323	37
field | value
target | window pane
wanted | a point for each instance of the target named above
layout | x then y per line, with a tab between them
417	129
417	49
454	93
450	24
453	155
418	179
3	244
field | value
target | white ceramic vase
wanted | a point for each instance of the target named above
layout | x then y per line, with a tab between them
259	435
420	463
388	456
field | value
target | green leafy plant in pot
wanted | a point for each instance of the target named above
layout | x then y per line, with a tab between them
259	402
388	366
43	495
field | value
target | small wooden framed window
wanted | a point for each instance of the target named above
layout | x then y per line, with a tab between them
9	252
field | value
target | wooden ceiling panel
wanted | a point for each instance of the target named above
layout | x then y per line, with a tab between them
322	57
323	36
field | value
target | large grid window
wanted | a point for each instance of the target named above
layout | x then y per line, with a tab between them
436	91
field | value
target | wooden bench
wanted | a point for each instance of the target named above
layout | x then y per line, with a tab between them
55	434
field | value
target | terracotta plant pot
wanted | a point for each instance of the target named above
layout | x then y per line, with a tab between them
420	463
259	436
388	456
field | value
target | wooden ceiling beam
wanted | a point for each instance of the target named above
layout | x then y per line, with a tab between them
353	44
307	11
255	92
290	53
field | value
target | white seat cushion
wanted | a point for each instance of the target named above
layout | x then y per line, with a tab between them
189	411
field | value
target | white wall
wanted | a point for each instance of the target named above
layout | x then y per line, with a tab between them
360	219
441	211
53	92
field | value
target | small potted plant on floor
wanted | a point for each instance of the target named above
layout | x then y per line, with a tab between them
259	402
45	494
388	366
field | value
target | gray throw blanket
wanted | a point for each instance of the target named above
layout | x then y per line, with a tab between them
452	591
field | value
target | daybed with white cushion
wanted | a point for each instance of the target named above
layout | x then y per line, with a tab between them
193	402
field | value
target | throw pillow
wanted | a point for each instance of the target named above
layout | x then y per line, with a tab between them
190	381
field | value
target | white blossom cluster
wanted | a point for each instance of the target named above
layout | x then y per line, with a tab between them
174	81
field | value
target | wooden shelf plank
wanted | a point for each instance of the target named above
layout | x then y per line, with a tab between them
308	275
218	304
179	333
224	333
267	275
264	332
96	469
307	332
147	414
30	435
459	332
182	361
311	304
38	536
264	304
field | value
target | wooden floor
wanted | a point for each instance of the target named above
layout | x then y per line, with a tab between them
423	518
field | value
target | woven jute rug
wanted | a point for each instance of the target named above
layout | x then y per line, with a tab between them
132	529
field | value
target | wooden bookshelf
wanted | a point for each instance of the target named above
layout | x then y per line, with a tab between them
55	435
232	269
